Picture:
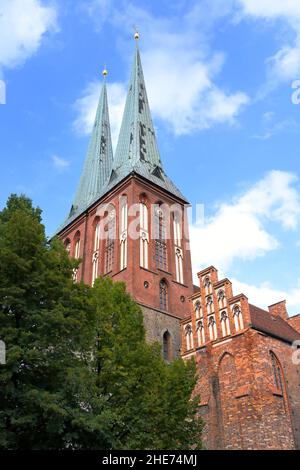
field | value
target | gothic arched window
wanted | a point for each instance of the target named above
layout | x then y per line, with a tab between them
163	295
177	222
123	232
95	256
221	299
167	346
277	373
225	323
144	235
210	304
77	246
110	241
238	318
160	240
189	337
207	285
197	307
76	254
212	327
200	332
68	245
95	261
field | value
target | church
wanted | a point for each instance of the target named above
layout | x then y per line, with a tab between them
128	220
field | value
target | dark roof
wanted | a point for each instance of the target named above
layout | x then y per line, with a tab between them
273	325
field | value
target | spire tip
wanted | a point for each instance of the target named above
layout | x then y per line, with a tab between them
104	72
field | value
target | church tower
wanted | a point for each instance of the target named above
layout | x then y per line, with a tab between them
128	220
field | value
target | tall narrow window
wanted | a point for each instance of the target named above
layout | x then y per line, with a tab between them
277	374
95	262
68	245
207	285
189	337
163	295
144	236
95	256
197	307
110	241
97	236
200	332
167	346
160	240
123	233
209	304
76	255
225	323
212	327
221	299
77	249
178	249
238	318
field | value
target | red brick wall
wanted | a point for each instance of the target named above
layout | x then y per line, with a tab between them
134	275
240	403
239	400
295	322
279	309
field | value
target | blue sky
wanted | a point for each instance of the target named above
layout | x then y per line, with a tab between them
219	77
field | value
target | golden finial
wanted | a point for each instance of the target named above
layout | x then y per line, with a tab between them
136	34
104	71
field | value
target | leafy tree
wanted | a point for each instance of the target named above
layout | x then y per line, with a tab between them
147	401
79	372
44	318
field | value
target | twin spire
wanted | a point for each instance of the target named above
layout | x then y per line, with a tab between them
99	159
136	150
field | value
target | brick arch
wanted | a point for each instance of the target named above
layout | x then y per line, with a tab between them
225	353
163	293
67	241
96	219
143	198
277	375
167	334
227	379
77	235
110	206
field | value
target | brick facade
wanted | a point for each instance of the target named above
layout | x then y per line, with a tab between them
142	283
295	322
248	384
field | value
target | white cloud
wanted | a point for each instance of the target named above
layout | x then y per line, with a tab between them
238	230
59	163
23	24
180	72
274	128
86	107
182	91
285	63
264	295
271	8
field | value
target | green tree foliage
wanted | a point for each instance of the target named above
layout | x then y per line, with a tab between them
79	372
148	402
42	315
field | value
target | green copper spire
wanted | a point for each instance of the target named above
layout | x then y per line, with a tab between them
137	149
136	152
137	141
98	162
